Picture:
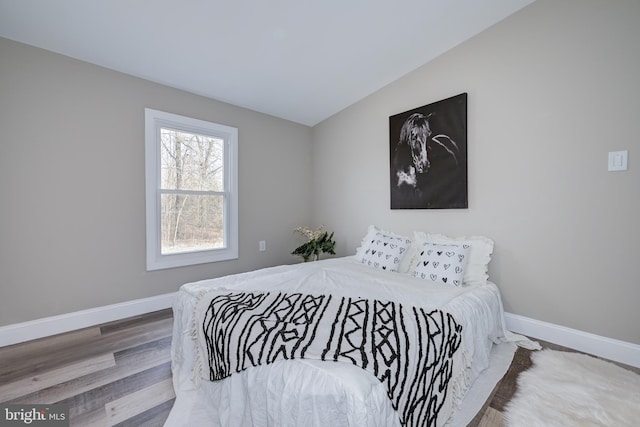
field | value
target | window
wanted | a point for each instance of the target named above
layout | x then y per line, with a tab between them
191	190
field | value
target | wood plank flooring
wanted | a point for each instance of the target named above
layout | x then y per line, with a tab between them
119	374
116	374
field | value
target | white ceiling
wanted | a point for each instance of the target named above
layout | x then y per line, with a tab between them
300	60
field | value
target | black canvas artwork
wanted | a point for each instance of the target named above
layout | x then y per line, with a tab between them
428	155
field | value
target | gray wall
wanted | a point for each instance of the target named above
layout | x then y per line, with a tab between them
551	89
72	218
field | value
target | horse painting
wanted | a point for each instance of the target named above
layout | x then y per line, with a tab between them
428	156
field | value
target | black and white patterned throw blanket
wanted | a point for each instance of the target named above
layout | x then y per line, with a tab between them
411	351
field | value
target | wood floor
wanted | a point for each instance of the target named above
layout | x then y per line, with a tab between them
119	374
116	374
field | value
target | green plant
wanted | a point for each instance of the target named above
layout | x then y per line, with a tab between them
319	241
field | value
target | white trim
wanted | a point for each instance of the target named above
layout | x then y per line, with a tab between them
154	121
608	348
34	329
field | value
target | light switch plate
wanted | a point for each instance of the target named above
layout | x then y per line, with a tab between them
618	160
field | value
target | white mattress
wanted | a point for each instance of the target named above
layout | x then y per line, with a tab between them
311	392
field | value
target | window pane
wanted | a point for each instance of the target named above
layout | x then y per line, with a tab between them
191	223
191	173
191	161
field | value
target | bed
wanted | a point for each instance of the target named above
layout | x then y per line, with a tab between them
363	340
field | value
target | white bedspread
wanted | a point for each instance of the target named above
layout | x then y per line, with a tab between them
309	392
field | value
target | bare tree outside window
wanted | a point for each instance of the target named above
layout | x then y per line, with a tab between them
192	192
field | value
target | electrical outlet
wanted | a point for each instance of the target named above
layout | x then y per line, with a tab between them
618	160
262	245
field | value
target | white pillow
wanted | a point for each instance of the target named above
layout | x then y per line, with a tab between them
481	248
407	252
383	251
442	263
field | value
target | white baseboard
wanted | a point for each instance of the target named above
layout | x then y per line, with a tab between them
39	328
608	348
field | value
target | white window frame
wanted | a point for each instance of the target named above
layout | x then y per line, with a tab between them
154	120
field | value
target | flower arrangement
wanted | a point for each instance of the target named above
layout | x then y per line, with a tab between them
318	242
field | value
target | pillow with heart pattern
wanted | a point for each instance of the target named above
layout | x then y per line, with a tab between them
443	264
476	271
407	257
384	251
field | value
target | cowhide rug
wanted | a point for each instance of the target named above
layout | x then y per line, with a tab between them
572	389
